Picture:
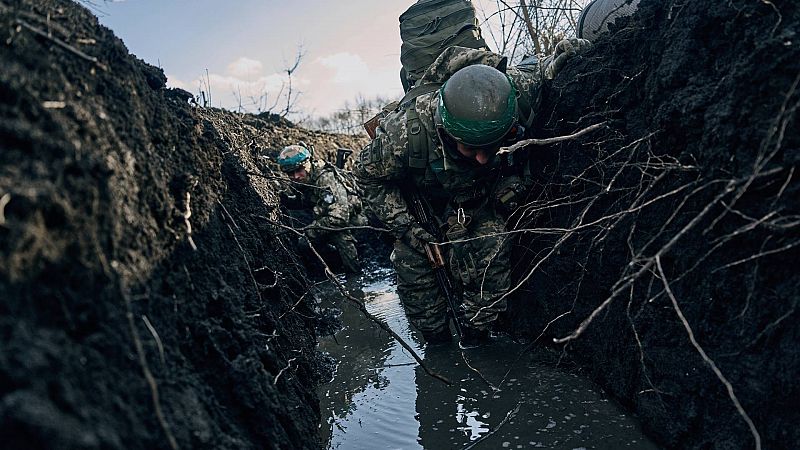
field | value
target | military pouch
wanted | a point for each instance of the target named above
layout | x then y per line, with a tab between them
457	226
509	195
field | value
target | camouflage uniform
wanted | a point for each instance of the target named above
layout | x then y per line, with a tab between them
461	194
333	206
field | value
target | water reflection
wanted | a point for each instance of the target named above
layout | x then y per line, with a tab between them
380	399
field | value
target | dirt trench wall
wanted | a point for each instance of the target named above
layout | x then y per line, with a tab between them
686	203
146	298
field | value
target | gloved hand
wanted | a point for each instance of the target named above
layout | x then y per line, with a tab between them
565	49
415	237
509	194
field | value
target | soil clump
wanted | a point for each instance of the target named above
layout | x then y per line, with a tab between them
149	300
662	250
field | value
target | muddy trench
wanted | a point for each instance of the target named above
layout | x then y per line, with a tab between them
152	296
506	394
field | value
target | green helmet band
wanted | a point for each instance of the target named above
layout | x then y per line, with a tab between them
479	133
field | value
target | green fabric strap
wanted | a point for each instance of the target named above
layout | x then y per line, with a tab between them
417	139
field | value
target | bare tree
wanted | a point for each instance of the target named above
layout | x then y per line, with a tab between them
529	27
291	95
350	118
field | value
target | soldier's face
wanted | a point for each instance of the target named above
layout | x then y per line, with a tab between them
480	155
300	174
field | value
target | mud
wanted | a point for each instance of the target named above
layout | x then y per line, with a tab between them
148	299
688	197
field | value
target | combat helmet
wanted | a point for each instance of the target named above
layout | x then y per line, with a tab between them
293	157
596	17
477	106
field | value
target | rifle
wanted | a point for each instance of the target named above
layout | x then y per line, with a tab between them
341	156
420	210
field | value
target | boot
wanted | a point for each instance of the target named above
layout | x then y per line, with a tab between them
473	337
437	337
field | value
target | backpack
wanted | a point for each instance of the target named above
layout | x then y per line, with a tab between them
429	27
419	138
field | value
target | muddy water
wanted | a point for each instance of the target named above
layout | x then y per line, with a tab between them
379	398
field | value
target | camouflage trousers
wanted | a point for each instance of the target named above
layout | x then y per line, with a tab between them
345	245
478	258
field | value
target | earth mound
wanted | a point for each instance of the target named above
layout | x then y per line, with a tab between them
661	251
149	300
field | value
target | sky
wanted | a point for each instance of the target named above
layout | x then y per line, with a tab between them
350	47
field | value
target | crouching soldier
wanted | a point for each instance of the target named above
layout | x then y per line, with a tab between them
438	151
324	189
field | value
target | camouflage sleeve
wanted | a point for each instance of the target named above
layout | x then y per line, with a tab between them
528	81
379	169
332	209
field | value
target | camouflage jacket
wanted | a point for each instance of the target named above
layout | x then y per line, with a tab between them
383	165
332	203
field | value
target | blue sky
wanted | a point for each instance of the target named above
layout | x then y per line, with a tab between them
351	46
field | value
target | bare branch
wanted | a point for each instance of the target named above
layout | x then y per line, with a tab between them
552	140
706	358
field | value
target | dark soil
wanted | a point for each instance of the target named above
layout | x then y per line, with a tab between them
117	333
698	167
126	322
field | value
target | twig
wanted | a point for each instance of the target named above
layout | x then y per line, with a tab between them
3	202
772	325
151	381
293	306
62	44
330	275
156	337
509	415
530	345
705	356
478	372
531	30
288	365
244	255
758	255
552	140
646	267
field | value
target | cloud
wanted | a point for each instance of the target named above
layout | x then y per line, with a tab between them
245	68
244	83
347	67
174	82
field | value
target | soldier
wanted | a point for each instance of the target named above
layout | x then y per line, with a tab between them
335	206
443	144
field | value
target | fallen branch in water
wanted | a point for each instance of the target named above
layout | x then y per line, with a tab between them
478	372
330	275
509	415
